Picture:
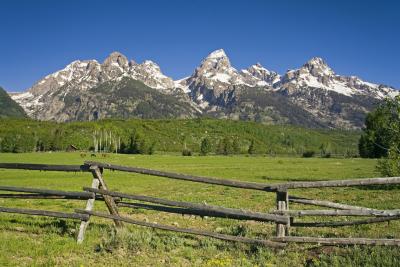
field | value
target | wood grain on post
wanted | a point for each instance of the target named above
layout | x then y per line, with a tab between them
282	204
89	207
109	200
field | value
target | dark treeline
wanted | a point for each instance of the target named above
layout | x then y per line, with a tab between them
204	136
381	136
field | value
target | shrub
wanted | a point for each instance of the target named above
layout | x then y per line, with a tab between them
152	148
205	147
390	166
186	152
236	146
382	130
251	149
225	147
308	154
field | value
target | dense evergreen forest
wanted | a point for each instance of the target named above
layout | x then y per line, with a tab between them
190	136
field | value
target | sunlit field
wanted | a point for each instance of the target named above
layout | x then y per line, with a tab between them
41	241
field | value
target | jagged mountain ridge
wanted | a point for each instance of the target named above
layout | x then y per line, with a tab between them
312	95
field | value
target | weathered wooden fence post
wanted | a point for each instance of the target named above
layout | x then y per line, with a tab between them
282	204
109	200
97	183
89	207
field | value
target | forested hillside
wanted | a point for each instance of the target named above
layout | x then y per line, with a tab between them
8	107
147	136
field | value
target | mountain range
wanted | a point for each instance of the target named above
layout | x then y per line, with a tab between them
312	95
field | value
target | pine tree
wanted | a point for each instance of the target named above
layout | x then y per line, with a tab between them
224	147
236	146
205	146
251	149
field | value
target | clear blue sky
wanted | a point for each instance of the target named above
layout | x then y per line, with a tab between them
355	37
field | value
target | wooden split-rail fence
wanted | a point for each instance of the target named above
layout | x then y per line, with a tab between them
283	217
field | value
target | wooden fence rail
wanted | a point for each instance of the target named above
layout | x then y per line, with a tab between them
46	213
248	185
324	203
267	243
45	167
283	217
46	196
184	177
346	223
301	213
80	195
212	210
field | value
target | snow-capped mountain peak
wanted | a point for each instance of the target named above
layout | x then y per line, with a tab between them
217	54
317	61
116	59
216	67
150	73
150	65
260	76
217	60
259	68
59	78
318	67
215	87
316	73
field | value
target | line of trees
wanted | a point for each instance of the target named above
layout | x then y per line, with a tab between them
228	146
381	136
108	141
138	145
142	136
103	141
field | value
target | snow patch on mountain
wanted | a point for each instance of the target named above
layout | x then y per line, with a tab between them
213	86
317	74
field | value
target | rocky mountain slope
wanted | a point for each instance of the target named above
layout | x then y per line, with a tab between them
8	107
312	95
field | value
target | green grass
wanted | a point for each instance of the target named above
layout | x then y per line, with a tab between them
39	241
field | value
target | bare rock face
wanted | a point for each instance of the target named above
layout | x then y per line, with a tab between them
214	84
317	74
312	95
114	66
339	101
150	73
47	98
257	75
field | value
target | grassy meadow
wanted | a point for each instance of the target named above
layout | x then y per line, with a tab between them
40	241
